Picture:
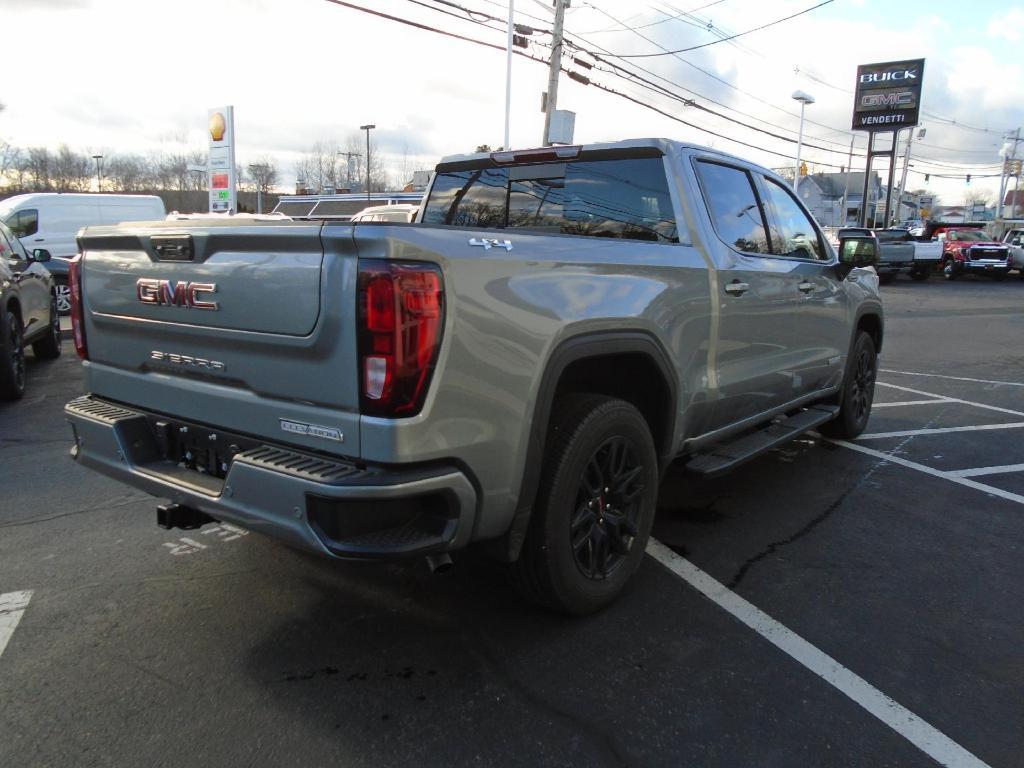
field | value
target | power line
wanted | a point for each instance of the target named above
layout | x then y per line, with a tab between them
725	39
680	15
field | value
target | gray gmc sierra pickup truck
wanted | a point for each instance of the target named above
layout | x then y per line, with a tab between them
515	369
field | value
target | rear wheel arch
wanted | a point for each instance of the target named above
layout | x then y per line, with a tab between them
629	365
870	322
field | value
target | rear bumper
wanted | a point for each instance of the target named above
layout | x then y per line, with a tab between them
325	505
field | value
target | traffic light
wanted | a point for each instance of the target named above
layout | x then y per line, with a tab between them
968	178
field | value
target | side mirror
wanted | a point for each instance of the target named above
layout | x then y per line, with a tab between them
41	255
858	251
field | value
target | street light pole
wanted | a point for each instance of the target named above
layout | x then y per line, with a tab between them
804	99
97	158
367	128
508	74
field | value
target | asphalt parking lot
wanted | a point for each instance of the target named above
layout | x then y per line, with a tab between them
828	604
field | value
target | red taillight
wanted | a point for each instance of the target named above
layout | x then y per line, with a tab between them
401	316
77	309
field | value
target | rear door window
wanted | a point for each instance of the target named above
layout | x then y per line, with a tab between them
734	207
793	233
617	198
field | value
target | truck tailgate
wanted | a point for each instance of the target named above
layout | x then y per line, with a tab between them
248	326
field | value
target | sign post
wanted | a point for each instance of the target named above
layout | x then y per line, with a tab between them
887	100
223	184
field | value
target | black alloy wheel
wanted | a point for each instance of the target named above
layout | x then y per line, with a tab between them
12	357
858	391
604	524
594	507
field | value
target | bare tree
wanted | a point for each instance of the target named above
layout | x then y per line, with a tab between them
318	168
978	197
263	173
37	168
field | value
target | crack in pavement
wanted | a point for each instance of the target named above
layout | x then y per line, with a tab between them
814	523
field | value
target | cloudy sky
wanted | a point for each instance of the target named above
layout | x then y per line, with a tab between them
114	76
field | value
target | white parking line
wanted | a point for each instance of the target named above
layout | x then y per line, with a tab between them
928	739
910	402
12	606
950	476
979	471
954	378
939	430
951	399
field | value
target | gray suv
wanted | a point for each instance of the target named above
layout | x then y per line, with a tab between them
28	312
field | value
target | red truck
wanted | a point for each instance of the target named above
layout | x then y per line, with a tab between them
967	249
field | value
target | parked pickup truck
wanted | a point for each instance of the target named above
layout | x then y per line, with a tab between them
1014	240
515	369
967	251
901	252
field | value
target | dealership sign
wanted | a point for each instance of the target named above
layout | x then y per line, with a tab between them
888	96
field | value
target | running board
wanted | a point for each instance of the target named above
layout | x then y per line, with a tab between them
726	456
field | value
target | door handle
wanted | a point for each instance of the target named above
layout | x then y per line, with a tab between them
736	288
805	287
40	240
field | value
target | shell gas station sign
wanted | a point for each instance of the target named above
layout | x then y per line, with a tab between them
223	184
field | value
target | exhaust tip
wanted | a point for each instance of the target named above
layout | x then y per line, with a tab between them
439	563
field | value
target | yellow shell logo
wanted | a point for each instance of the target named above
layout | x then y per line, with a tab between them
217	126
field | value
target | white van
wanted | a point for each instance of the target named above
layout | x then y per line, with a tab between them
51	220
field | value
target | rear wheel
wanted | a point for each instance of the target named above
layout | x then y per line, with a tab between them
595	506
858	391
12	356
48	348
62	293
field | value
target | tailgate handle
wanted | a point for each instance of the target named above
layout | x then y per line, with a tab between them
173	247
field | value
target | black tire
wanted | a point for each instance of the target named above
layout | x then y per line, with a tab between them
886	277
858	391
599	489
12	356
62	293
920	274
48	348
949	269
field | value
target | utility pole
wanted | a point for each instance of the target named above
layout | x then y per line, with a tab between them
906	166
555	67
1004	177
348	167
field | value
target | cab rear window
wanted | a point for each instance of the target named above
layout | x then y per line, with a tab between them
626	198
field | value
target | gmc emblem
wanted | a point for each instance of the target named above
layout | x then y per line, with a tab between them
178	294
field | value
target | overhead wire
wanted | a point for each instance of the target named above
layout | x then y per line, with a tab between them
725	39
597	85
